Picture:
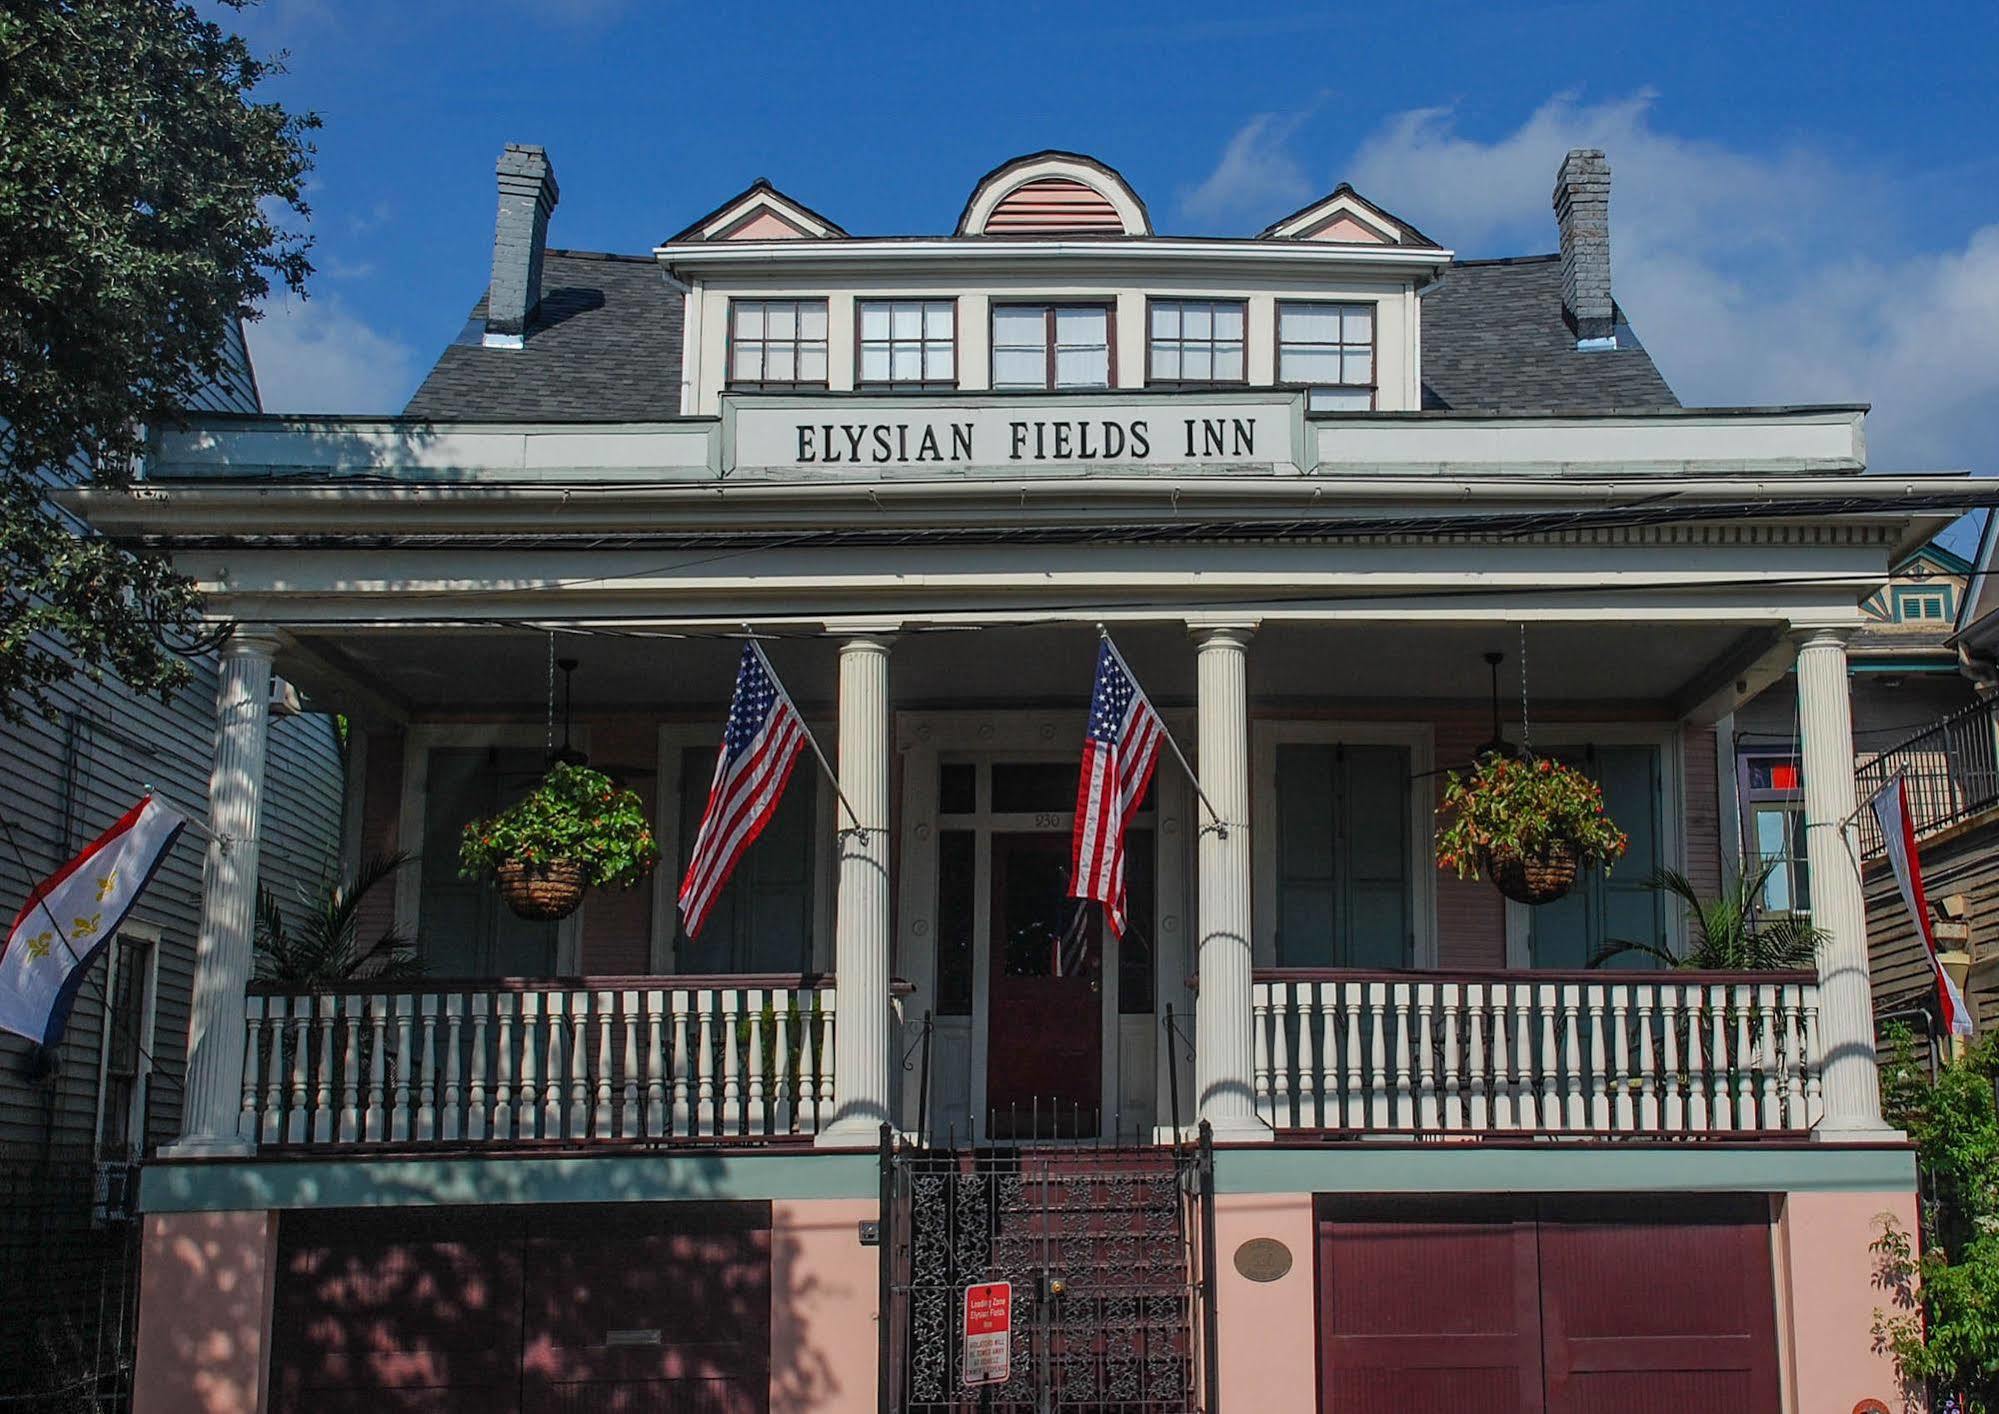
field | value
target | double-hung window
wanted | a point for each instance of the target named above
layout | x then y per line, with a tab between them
1042	346
777	344
1773	796
1328	350
909	344
1196	341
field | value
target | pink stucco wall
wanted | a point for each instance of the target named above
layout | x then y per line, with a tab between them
824	1344
1826	1292
204	1312
1267	1335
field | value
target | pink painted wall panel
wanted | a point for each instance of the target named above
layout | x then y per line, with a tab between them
825	1291
204	1312
762	226
1267	1336
1826	1288
1345	228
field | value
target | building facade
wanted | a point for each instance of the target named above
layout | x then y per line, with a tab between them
1352	510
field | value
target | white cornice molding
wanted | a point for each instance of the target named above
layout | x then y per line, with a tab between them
1142	250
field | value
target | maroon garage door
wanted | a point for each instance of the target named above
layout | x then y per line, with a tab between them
656	1308
1555	1306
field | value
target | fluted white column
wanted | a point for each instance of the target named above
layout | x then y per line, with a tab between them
1222	1020
861	926
222	955
1846	1009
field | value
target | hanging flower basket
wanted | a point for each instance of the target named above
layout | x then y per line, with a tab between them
1530	825
1536	878
573	831
540	892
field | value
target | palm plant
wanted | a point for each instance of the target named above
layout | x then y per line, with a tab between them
325	946
1729	932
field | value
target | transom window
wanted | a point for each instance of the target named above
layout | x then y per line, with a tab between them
909	343
1051	346
1197	341
1327	349
777	343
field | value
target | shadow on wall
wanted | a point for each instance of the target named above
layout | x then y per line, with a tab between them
636	1302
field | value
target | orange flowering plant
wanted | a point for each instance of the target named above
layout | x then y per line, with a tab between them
1508	806
574	814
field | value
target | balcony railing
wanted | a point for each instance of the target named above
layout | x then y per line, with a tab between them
615	1060
1952	767
1538	1053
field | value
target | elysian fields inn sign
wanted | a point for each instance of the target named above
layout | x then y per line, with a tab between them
925	434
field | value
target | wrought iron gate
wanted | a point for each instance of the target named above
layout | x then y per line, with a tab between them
1104	1247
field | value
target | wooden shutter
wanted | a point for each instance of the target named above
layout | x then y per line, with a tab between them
1618	905
1342	856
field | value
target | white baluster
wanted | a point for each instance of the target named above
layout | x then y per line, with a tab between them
1648	1093
1814	1062
1308	1067
451	1102
506	1006
555	1021
1481	1111
1452	1003
1403	1013
756	1118
1329	1054
1278	1113
374	1126
299	1101
579	1065
426	1098
718	1077
683	1119
1425	994
1377	1055
327	1005
1351	1004
808	1062
656	1117
1794	1069
631	1124
1745	1062
475	1091
1260	1062
784	1018
276	1009
399	1121
1722	1111
1611	1094
351	1022
1699	1120
600	1118
1772	1116
1574	1063
828	1008
1673	1113
1550	1059
248	1121
527	1097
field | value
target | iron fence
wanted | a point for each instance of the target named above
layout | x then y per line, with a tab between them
1951	767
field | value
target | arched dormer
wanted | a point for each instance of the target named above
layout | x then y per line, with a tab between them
1054	194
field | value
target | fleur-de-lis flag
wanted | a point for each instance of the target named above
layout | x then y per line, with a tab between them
72	914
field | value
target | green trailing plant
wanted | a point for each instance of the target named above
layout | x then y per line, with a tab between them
1727	933
574	814
1943	1326
1522	806
324	947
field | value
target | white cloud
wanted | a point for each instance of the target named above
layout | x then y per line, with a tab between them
318	356
1753	277
1256	180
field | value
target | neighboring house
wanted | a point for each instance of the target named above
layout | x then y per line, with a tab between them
1313	481
114	1086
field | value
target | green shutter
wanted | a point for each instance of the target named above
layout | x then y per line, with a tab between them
1342	856
1619	905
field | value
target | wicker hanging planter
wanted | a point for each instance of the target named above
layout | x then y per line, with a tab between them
1536	878
541	893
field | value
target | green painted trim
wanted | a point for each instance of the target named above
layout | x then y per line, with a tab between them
225	1185
1469	1168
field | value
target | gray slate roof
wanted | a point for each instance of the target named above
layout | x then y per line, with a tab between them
1495	339
603	346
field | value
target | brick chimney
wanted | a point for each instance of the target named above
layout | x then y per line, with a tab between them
527	196
1582	211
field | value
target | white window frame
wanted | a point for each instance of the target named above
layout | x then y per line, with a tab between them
675	739
1420	740
149	1004
418	742
1671	742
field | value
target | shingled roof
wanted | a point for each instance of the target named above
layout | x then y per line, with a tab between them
602	346
1495	339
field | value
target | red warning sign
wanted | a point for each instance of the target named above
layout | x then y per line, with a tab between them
988	1333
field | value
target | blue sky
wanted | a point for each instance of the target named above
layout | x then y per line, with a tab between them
1802	211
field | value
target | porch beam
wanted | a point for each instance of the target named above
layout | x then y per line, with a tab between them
1846	1025
1754	661
326	674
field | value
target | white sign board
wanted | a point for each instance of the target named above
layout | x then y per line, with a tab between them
988	1333
885	435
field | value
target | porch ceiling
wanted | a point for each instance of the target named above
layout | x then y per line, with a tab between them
504	673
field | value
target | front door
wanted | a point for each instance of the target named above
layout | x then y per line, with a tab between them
1044	1050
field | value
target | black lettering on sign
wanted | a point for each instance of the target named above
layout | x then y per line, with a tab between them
961	441
806	451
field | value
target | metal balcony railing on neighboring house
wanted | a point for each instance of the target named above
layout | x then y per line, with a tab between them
1599	1054
1952	769
562	1063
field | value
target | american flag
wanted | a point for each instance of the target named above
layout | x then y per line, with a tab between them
760	745
1119	751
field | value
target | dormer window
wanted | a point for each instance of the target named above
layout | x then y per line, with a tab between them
908	344
777	344
1922	604
1327	349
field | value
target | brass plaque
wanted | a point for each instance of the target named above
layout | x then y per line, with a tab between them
1263	1259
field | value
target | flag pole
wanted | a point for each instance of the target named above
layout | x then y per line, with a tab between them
857	827
1221	825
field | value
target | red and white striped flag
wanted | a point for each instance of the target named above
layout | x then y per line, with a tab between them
760	745
1898	835
72	914
1120	748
